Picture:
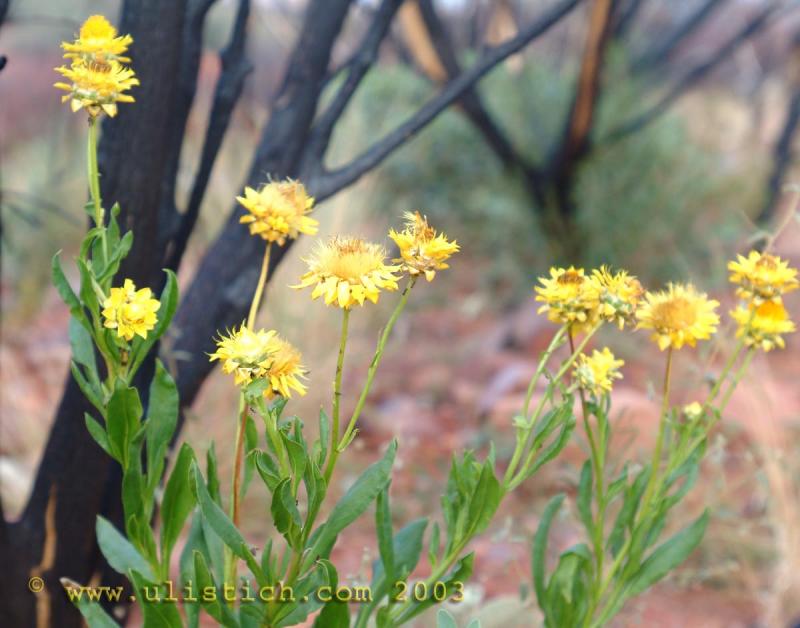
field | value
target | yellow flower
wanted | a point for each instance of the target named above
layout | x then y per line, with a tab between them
762	325
130	311
762	276
261	355
693	410
278	211
97	86
568	297
98	41
678	315
348	271
617	295
97	77
596	374
422	250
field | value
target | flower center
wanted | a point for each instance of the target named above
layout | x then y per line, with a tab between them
570	277
677	313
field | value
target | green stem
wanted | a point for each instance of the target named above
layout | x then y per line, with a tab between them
737	378
230	560
94	184
262	280
662	428
522	433
373	367
509	485
337	395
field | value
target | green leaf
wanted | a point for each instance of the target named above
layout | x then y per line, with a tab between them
285	515
585	497
161	614
204	581
627	513
82	347
291	614
567	591
383	526
669	555
445	619
484	501
124	413
92	393
66	292
178	502
92	612
555	446
98	433
324	437
267	469
117	255
223	526
453	581
539	550
354	502
119	552
162	417
212	482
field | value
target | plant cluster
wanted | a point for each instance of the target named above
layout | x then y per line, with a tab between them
279	584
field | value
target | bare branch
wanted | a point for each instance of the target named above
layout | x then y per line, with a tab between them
470	101
235	68
662	50
693	77
331	182
782	158
624	17
358	66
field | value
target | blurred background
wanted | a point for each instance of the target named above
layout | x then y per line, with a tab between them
650	135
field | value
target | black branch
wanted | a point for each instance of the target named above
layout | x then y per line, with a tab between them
697	74
331	182
235	68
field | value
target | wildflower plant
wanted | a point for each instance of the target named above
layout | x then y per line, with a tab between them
221	574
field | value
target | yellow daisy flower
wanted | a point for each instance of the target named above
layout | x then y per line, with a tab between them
130	311
278	211
763	325
762	276
596	374
97	86
568	297
422	250
347	271
678	315
253	355
98	41
617	295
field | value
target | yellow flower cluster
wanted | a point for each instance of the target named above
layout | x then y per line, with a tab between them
98	78
278	211
762	280
570	297
596	374
261	355
130	311
422	250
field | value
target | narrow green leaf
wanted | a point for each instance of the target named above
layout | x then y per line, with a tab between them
383	526
213	605
223	526
124	413
585	497
355	501
119	552
669	555
178	502
161	614
162	417
92	612
98	433
539	550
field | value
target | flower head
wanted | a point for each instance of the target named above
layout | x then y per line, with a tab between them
347	271
261	355
422	250
568	297
764	324
762	276
130	311
278	211
596	374
678	315
98	41
617	295
97	86
693	410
